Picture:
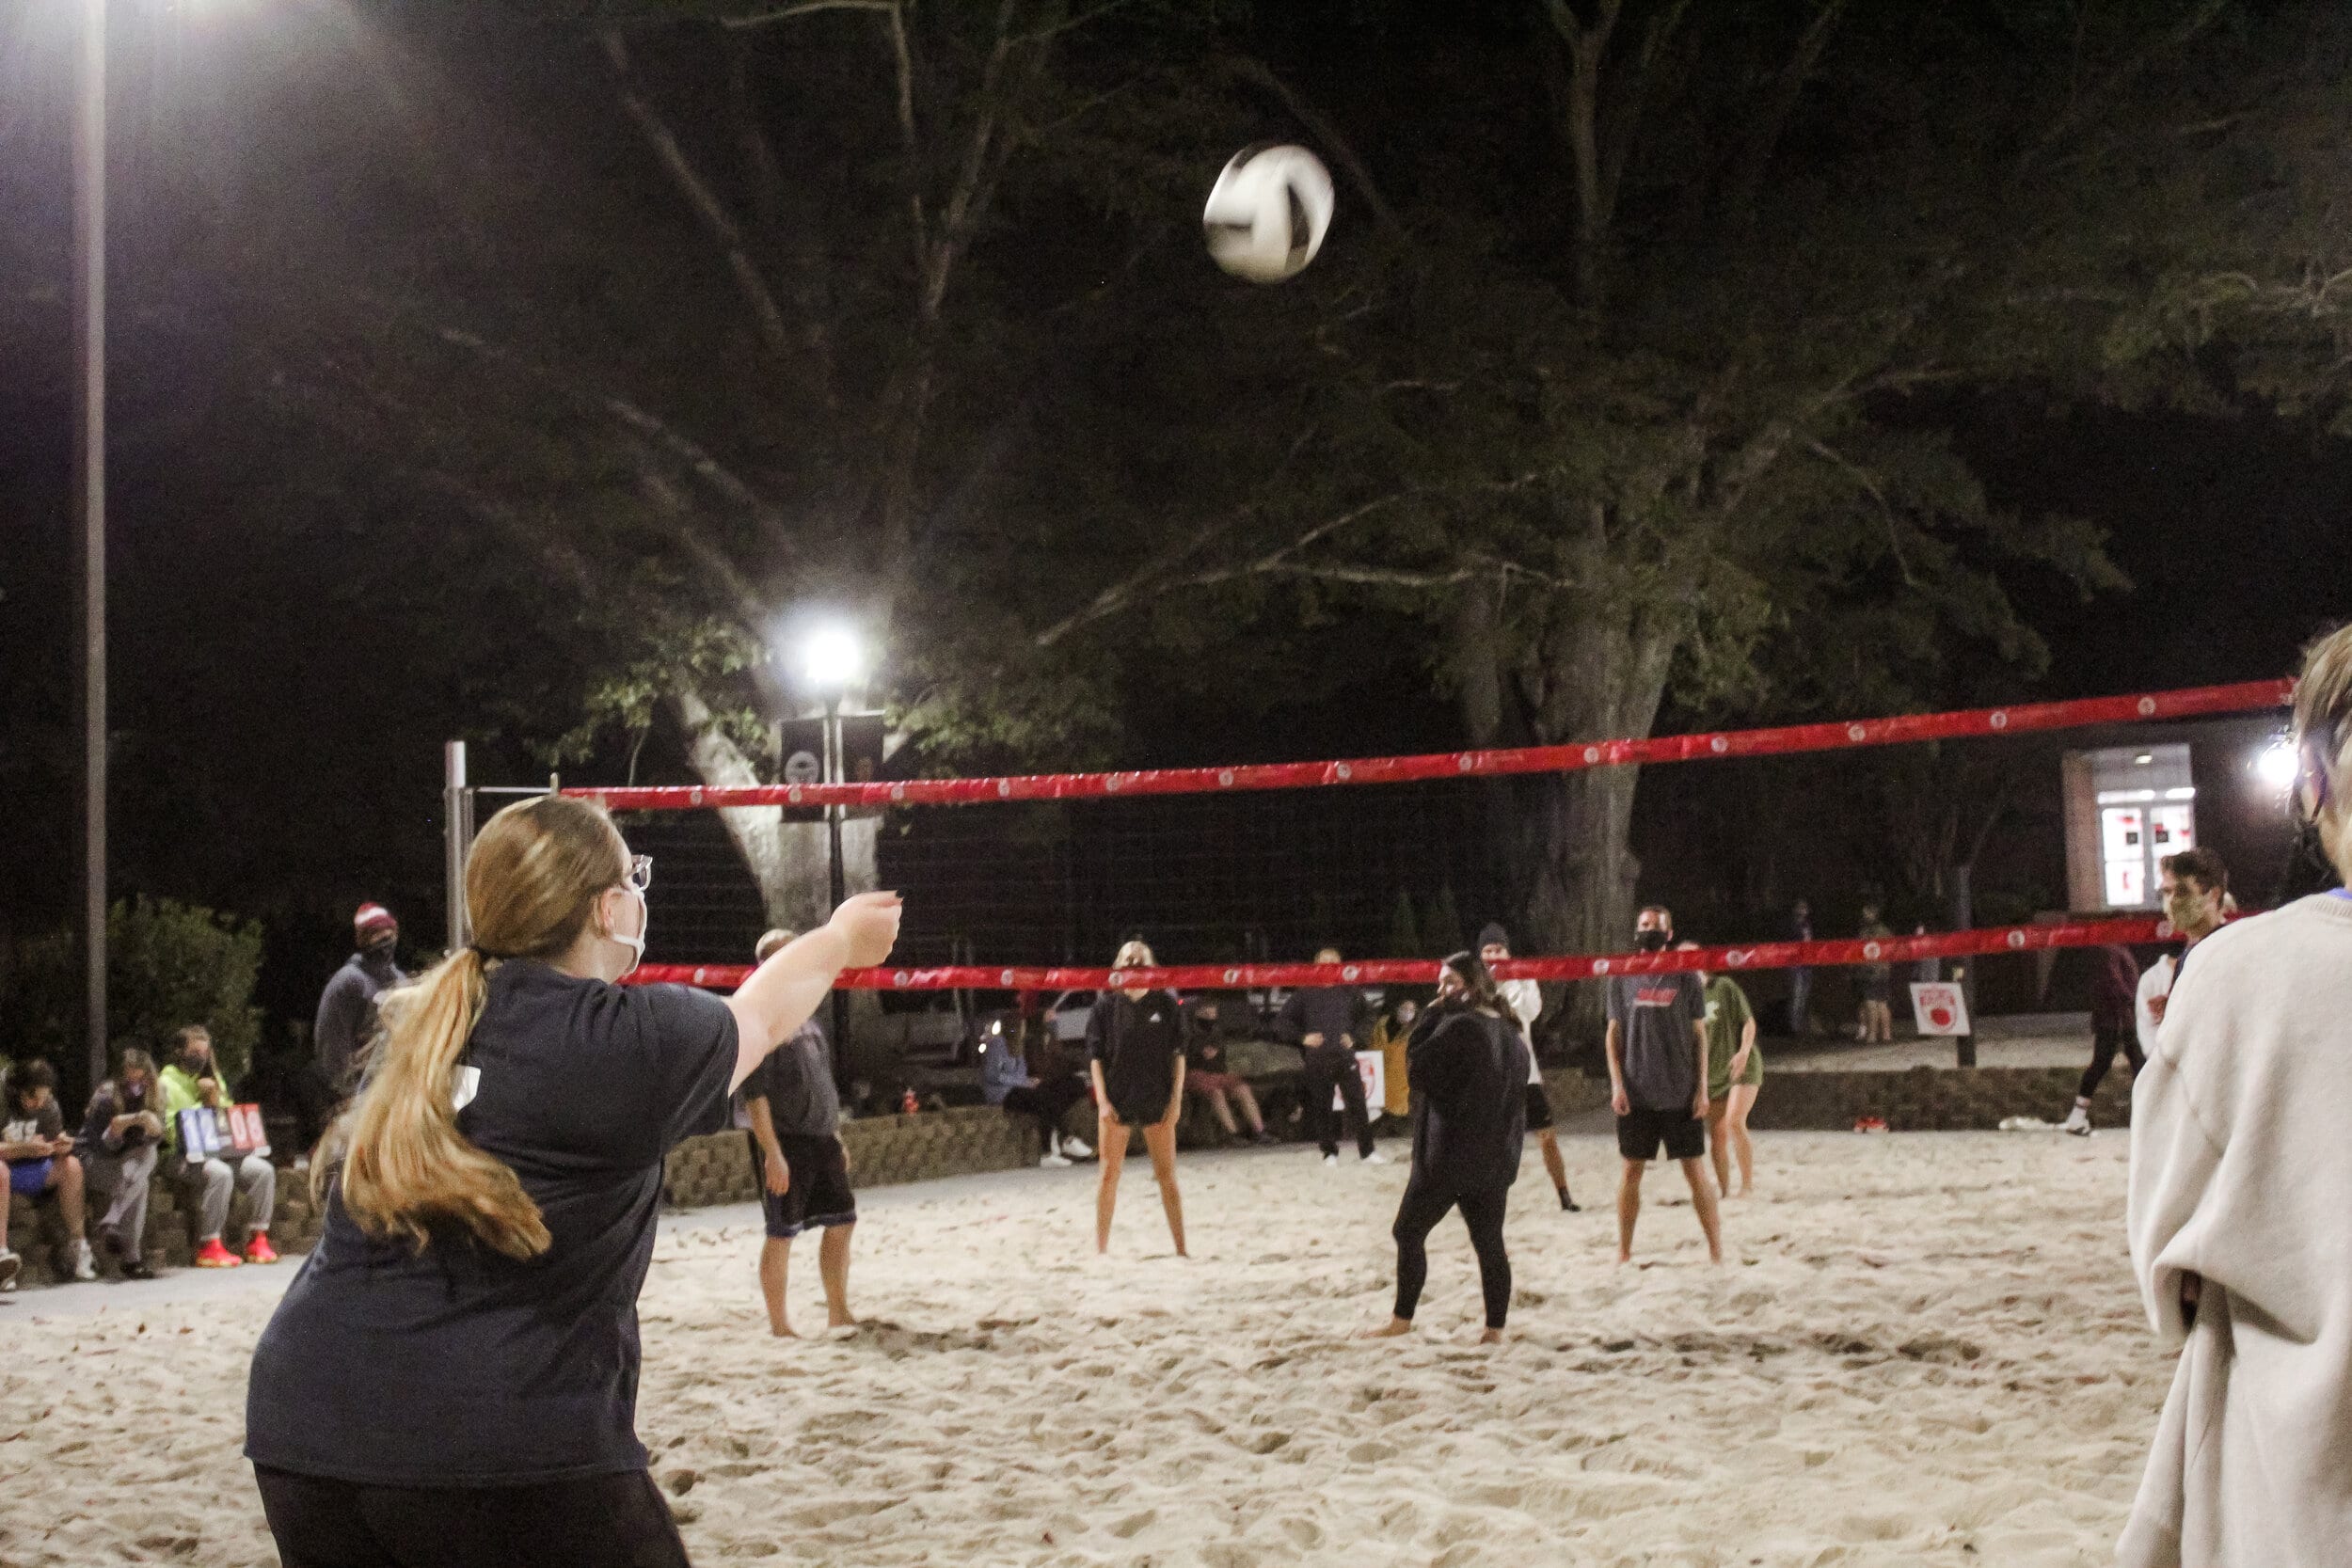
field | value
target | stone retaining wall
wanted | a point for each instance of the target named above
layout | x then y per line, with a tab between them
1933	1100
36	1229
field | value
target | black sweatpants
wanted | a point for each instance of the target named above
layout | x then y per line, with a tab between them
2105	1043
1049	1102
1419	1214
1330	1067
611	1521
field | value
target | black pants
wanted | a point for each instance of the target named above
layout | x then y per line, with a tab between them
1049	1102
1330	1067
615	1521
2105	1043
1419	1214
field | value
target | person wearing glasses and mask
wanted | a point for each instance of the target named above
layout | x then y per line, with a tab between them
451	1377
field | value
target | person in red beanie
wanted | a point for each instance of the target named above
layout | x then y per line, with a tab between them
346	1020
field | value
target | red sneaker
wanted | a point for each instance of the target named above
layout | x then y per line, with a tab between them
213	1254
258	1250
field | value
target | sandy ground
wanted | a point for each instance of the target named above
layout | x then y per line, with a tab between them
1925	1350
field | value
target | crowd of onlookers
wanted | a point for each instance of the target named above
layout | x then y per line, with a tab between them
131	1131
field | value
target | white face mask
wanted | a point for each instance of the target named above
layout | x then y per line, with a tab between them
635	944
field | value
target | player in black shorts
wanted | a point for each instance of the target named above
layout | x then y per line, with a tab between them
1658	1081
804	1171
1135	1053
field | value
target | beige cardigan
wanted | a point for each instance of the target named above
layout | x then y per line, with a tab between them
2242	1176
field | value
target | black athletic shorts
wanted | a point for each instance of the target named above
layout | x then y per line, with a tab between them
1538	1108
820	1194
1640	1132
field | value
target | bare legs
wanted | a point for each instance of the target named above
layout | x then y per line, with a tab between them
1555	1166
1877	1023
1742	1148
1222	1108
1159	1139
775	1264
1628	1207
66	1177
1702	1200
833	1267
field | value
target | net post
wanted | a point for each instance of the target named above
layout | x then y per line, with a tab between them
456	837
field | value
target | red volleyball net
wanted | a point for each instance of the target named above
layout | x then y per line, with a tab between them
1436	771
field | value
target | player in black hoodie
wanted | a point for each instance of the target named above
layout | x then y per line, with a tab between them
1468	1066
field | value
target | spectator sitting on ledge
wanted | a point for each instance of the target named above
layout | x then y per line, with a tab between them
191	1081
122	1136
41	1160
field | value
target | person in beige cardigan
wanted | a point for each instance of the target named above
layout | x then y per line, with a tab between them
2241	1176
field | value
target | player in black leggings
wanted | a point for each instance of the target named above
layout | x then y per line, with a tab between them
1468	1066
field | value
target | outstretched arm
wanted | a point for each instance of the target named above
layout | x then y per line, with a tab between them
784	993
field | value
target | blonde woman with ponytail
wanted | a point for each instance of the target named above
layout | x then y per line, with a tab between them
2241	1175
1135	1055
452	1378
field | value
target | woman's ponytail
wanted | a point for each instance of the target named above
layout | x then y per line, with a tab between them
402	1161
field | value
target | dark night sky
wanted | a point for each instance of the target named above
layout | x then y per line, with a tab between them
285	678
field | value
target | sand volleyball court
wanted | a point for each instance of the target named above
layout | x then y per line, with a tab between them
1926	1350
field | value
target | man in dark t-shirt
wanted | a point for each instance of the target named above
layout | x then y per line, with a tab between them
805	1170
1658	1081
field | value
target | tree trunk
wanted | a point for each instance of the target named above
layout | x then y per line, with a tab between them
1565	839
790	862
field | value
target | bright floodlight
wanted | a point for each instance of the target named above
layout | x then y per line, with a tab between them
832	659
2276	766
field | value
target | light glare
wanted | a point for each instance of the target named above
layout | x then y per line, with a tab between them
832	659
2276	765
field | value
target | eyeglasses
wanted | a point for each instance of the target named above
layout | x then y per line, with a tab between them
640	874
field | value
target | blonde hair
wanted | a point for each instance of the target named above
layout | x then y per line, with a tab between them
1135	955
2323	735
532	884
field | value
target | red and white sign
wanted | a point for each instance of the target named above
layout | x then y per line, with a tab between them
1940	1009
1373	1069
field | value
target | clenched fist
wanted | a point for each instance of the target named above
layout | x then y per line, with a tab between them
870	924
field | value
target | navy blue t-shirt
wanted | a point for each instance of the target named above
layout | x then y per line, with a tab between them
458	1366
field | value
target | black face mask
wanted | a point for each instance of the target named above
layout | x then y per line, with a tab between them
1650	942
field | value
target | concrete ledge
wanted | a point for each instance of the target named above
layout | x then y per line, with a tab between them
36	1229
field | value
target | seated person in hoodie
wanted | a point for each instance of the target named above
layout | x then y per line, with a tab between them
1209	1074
193	1080
121	1134
1006	1081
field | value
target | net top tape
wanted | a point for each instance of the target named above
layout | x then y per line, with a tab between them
2132	931
2193	703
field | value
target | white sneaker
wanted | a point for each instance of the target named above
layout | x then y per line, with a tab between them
1076	1149
1330	1159
1374	1158
2077	1122
10	1264
85	1266
1054	1162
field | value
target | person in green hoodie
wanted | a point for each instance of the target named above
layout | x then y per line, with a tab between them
190	1081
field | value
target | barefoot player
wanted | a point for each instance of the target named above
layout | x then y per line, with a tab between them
804	1168
1658	1081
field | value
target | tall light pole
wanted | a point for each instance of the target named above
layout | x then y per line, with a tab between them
832	661
90	498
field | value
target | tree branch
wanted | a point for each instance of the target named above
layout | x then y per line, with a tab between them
698	194
805	7
1765	129
2084	105
1256	73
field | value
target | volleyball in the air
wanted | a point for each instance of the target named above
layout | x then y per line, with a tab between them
1266	216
